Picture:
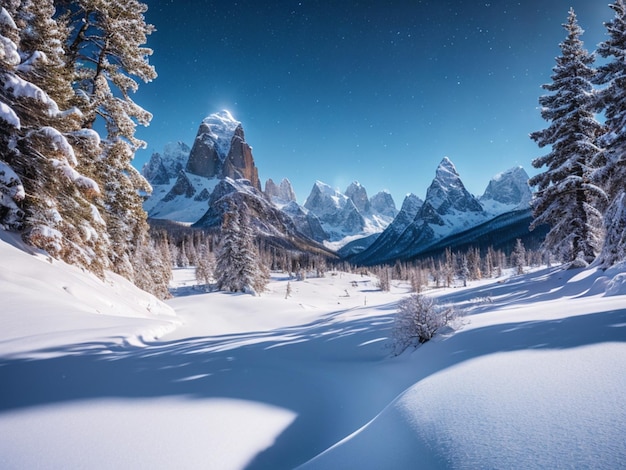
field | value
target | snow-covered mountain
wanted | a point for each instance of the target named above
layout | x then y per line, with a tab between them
195	186
382	245
507	191
183	179
163	167
280	194
447	210
351	214
268	221
367	230
221	151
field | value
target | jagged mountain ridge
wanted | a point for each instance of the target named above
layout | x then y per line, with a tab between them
270	223
349	214
448	209
370	230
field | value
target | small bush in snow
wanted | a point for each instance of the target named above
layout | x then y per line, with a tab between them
418	319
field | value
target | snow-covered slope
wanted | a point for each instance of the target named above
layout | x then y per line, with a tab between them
184	199
531	378
50	306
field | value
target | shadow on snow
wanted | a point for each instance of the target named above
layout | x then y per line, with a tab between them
318	370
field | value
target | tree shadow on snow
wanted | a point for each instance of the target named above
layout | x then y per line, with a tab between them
318	370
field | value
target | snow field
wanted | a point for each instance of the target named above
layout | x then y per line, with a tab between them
531	378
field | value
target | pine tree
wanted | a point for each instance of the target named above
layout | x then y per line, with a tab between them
12	192
566	197
612	171
238	268
105	53
57	211
205	266
518	257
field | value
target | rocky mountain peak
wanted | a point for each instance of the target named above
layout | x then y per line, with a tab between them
220	150
382	203
447	192
358	196
165	166
282	193
509	188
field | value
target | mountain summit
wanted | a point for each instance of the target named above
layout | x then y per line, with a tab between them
220	151
447	210
507	191
447	192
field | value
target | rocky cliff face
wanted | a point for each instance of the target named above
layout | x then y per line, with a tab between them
350	214
358	196
165	166
382	203
269	223
447	192
280	194
507	191
336	212
221	151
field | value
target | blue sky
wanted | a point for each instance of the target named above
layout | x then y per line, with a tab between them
372	91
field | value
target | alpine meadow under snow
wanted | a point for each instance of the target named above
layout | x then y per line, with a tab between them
98	374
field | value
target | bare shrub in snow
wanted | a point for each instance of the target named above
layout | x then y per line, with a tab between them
418	319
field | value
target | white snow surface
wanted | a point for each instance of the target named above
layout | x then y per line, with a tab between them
24	89
8	115
100	375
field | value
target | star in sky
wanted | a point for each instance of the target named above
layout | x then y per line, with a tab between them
372	91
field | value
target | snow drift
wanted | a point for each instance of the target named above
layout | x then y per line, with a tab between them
532	377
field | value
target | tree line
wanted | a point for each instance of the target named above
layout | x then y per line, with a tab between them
461	266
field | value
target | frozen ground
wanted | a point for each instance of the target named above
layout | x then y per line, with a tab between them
99	375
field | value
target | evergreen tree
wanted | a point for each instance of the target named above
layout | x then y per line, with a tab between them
612	171
518	257
238	268
566	197
205	266
56	212
12	192
105	53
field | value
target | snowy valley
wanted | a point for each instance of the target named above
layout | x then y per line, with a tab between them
185	316
98	374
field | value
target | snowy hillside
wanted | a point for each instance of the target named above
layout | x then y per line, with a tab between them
532	377
183	199
48	306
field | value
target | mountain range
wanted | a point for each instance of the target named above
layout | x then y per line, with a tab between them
195	185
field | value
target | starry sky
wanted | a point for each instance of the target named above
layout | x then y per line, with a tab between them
368	90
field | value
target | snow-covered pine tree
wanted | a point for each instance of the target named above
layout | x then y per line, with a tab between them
105	53
518	257
238	268
566	199
611	172
12	191
56	213
205	266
